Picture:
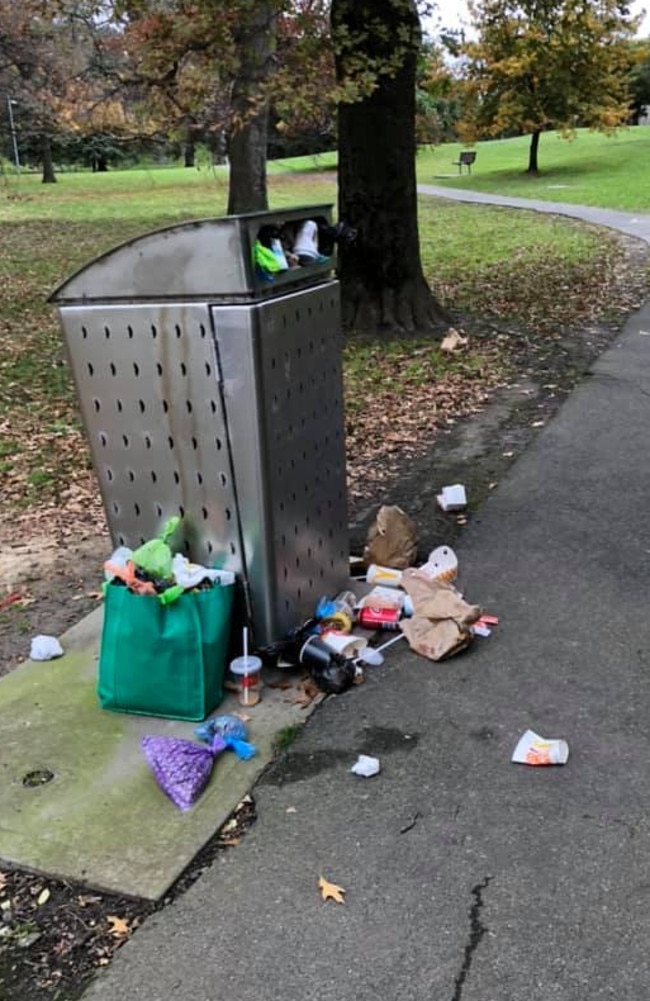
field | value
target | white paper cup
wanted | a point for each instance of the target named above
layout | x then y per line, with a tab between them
346	644
388	576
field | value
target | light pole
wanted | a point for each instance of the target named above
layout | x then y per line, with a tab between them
12	129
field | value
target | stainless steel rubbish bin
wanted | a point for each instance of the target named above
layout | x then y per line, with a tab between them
210	391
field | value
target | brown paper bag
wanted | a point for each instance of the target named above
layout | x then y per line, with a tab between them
440	624
435	640
435	599
392	539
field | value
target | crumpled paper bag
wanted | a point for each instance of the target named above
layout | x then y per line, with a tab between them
435	640
436	599
392	539
440	624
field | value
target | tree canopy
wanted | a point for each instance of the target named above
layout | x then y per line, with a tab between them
59	63
547	64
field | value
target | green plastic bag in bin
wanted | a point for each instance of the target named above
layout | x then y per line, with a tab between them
164	660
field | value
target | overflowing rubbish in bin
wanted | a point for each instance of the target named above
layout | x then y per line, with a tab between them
299	244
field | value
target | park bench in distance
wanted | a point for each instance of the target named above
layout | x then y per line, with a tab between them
466	159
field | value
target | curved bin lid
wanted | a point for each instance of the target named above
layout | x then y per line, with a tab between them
203	259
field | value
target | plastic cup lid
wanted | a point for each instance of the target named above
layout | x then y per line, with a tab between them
246	665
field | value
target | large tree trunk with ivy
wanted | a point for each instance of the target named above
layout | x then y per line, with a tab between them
248	139
383	288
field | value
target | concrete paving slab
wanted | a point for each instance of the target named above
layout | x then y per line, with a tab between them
101	819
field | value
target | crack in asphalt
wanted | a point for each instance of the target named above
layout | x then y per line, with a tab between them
476	932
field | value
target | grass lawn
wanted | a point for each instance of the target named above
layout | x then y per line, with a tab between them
593	169
516	266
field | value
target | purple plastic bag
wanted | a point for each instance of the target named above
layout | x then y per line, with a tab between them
181	768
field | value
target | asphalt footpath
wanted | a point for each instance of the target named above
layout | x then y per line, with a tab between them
467	877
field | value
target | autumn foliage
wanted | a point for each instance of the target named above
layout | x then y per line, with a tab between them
546	64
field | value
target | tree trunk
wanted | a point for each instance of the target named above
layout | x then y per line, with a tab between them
46	157
532	153
102	164
189	152
382	284
217	144
248	139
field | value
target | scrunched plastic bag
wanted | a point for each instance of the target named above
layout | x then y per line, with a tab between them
181	768
190	575
335	677
232	730
155	557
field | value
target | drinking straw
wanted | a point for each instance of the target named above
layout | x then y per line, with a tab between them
246	688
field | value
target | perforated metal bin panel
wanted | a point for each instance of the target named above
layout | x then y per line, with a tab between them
282	384
231	416
148	384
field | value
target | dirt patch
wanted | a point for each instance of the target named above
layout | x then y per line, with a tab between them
54	935
47	584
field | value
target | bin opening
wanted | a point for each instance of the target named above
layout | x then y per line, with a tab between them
289	246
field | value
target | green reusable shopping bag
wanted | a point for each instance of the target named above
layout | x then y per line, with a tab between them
164	660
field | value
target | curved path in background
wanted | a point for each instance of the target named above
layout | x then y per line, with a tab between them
633	223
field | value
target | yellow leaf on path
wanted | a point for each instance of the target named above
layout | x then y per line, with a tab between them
330	891
119	926
43	897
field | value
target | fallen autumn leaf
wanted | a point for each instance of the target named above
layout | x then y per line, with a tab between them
330	891
119	926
